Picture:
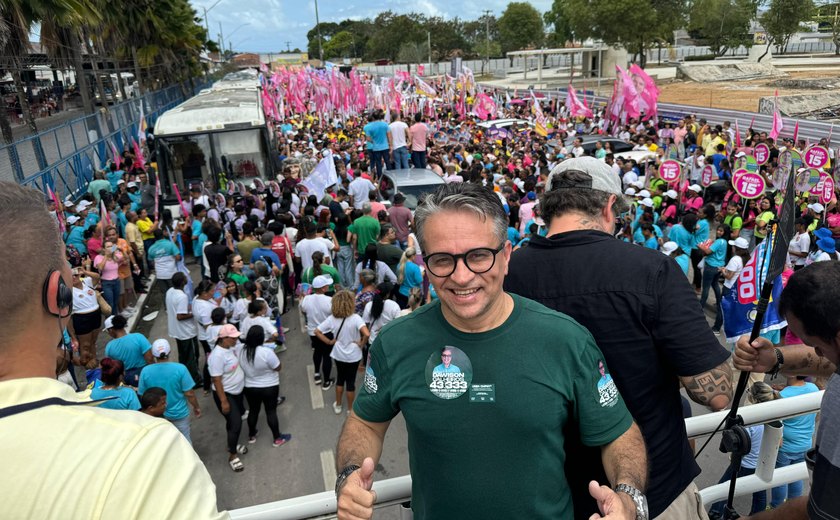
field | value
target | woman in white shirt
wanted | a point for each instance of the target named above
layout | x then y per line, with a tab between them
86	318
380	311
317	307
258	315
733	268
800	244
202	308
371	261
228	386
347	335
262	385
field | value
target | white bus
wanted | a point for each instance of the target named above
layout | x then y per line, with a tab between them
216	137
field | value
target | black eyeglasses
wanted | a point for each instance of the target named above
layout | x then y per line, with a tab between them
479	260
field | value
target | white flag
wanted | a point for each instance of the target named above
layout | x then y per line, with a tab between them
321	177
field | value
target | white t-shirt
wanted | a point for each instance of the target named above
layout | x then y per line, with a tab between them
359	189
629	178
317	308
240	310
800	243
734	265
397	130
213	334
262	372
201	313
305	247
263	321
346	347
84	299
225	362
383	272
390	311
577	151
177	302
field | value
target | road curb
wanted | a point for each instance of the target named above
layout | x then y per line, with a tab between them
141	301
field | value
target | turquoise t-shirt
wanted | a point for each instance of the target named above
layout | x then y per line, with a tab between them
113	178
126	398
413	278
378	132
175	379
76	238
129	349
683	261
701	234
717	257
509	401
652	243
682	237
798	431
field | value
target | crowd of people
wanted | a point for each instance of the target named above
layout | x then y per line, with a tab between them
526	227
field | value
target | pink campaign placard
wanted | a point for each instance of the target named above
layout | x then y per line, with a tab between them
706	176
749	185
761	153
826	186
669	171
816	156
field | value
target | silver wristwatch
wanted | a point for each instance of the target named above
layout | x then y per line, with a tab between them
638	499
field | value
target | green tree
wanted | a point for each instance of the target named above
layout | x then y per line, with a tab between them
782	19
392	31
636	24
340	46
828	18
722	24
413	52
558	19
327	30
520	26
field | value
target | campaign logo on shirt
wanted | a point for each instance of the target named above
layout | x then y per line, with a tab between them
607	391
370	379
448	372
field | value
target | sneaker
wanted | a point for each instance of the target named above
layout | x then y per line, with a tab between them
252	440
281	400
283	439
317	378
245	415
286	330
280	347
327	384
337	408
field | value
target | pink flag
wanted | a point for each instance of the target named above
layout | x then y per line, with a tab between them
778	124
796	134
629	95
737	135
576	107
138	152
484	106
421	69
103	215
646	89
59	214
117	156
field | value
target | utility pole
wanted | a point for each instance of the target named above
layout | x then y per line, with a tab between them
487	13
320	44
429	40
287	46
222	41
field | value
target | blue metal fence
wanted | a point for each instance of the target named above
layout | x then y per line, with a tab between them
65	157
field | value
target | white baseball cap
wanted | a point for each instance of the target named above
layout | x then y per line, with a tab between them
816	207
72	219
109	322
120	182
131	184
83	204
695	188
669	247
322	281
647	201
630	191
160	348
740	154
740	242
643	194
671	193
601	176
638	184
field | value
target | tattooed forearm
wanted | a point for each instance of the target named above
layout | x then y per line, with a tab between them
808	363
712	388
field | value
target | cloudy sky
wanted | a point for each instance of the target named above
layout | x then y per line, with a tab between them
266	25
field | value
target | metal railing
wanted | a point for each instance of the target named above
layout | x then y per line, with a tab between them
395	491
64	157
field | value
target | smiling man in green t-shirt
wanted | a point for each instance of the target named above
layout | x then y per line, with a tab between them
486	440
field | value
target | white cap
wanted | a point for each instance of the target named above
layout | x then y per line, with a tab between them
643	194
160	348
120	182
131	184
669	247
695	188
740	242
647	202
638	184
671	193
816	207
322	281
740	154
83	204
68	203
109	322
72	219
630	191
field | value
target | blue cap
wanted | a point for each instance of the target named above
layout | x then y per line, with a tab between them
532	195
826	244
822	233
488	166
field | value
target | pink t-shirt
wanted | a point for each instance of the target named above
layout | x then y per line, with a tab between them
110	271
418	132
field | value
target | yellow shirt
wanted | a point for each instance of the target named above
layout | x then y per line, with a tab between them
144	225
132	465
132	235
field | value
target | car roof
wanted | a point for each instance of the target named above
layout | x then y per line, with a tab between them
504	122
414	177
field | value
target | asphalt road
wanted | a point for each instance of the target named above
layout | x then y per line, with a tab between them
306	464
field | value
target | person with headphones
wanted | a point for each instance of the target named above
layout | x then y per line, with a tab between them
87	318
40	416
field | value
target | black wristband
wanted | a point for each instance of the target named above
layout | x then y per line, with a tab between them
780	361
342	477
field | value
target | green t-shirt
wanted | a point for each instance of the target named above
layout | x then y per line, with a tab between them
366	230
497	408
735	222
307	276
766	216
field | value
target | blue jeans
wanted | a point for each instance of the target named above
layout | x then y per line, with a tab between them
401	157
711	277
759	498
418	159
111	293
183	426
379	157
346	266
792	490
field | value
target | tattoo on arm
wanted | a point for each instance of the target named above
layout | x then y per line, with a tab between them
810	364
712	388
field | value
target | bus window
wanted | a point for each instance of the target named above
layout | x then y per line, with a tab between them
188	158
241	154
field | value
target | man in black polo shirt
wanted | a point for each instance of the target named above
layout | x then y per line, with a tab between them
643	314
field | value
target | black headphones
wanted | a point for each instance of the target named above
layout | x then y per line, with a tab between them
57	297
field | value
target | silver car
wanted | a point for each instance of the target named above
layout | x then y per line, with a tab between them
413	183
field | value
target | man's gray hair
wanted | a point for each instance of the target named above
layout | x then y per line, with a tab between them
463	196
367	208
